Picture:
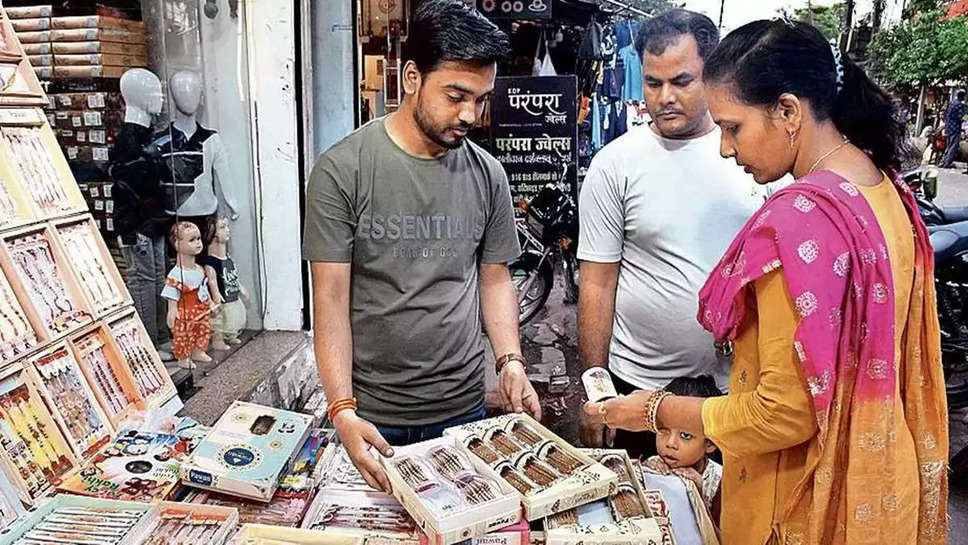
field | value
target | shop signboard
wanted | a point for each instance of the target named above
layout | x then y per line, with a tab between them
515	9
534	131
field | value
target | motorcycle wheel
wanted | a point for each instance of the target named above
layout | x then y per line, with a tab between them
537	295
957	392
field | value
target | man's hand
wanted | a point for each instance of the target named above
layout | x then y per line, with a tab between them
593	434
517	394
357	435
622	413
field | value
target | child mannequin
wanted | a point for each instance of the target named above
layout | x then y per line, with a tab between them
189	303
227	291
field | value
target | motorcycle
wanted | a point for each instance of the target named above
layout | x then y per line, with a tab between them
950	243
924	184
548	233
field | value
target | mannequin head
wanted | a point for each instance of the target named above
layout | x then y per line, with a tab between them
142	89
186	239
218	230
186	91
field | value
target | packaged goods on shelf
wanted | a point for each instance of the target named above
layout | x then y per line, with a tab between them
108	34
153	382
41	60
28	12
97	21
106	59
91	100
31	25
33	453
93	71
117	48
42	48
107	374
248	450
80	521
58	377
34	37
550	475
91	265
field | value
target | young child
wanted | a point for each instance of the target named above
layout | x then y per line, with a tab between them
687	454
227	291
189	303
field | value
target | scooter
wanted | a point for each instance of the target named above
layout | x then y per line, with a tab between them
548	233
950	243
923	182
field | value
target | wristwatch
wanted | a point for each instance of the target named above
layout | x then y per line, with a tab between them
508	358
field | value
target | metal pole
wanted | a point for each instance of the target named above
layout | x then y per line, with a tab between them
628	7
722	7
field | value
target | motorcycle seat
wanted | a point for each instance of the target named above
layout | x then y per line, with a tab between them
955	214
948	240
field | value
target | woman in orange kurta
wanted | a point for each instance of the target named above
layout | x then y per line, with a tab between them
835	427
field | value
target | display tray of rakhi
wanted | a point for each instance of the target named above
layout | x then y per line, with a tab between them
550	475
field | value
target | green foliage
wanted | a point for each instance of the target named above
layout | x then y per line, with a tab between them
924	49
827	19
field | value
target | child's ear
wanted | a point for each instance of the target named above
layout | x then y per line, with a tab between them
710	447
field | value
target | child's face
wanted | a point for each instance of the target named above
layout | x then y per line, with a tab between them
680	448
189	241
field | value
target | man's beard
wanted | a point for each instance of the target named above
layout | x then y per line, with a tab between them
435	132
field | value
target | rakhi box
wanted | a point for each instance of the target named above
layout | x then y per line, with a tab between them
549	474
57	375
452	497
121	522
152	379
107	373
37	270
621	519
247	451
28	12
135	466
92	265
33	453
189	524
358	513
281	511
258	534
38	165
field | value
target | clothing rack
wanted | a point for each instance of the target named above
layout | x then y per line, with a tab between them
627	7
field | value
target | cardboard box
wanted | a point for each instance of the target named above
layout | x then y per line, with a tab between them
259	534
585	481
92	71
42	48
104	59
248	450
124	467
154	383
44	72
34	37
20	84
116	48
27	12
457	516
40	60
31	25
224	519
96	34
97	21
24	525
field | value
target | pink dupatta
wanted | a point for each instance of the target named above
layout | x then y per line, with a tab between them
834	258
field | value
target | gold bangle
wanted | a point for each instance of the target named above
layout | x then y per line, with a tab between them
651	409
603	411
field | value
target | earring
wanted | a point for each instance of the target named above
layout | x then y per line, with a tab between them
793	138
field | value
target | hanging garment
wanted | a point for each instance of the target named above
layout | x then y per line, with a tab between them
632	82
543	66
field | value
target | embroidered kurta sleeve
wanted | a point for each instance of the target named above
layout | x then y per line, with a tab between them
777	413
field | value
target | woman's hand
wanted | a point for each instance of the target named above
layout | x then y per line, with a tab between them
623	412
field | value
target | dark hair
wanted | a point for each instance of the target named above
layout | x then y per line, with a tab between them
701	386
764	59
961	95
665	29
450	30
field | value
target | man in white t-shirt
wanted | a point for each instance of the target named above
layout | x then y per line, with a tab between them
658	208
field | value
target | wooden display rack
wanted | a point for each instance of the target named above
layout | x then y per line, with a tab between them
96	338
25	343
19	210
24	88
20	289
101	306
35	119
13	380
82	449
128	320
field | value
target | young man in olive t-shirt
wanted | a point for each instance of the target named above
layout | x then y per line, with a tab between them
409	229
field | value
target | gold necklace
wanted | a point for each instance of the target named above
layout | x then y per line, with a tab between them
828	154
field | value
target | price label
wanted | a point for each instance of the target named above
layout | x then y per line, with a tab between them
81	137
92	119
97	136
95	192
100	154
95	100
72	152
98	204
109	207
77	121
107	190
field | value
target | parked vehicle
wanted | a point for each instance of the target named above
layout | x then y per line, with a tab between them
548	233
924	183
950	244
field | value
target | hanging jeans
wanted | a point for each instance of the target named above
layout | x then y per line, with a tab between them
954	144
145	279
